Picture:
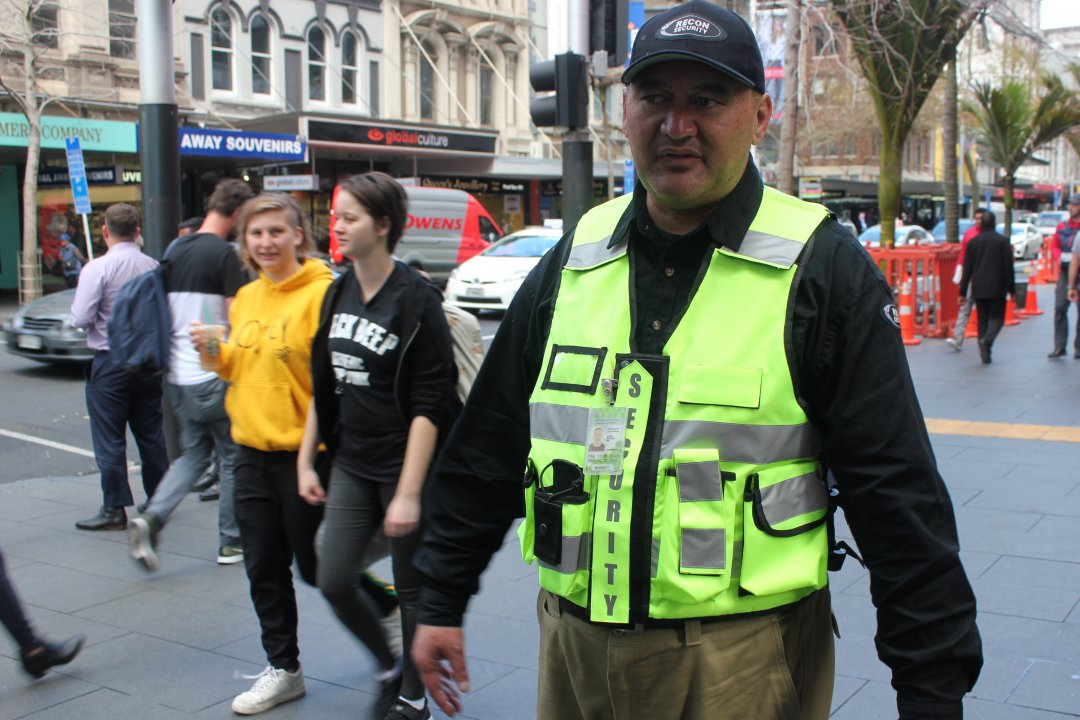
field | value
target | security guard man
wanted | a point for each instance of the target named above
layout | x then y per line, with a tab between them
736	344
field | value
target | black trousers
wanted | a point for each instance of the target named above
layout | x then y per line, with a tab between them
116	400
12	615
991	318
276	525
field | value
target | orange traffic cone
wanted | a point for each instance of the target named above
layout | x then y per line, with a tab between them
1031	303
1010	313
907	315
972	329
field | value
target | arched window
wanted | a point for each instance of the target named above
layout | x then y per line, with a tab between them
316	48
349	75
487	78
221	50
260	56
427	83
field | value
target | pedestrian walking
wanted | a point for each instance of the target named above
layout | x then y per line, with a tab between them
71	260
266	364
736	342
115	398
384	378
989	274
202	277
37	655
1062	244
956	342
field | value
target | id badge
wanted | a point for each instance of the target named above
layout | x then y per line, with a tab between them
605	444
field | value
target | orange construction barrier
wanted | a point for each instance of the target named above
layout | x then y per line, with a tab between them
972	329
928	272
907	315
1010	313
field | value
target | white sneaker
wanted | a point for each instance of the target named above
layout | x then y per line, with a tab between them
953	344
391	627
272	687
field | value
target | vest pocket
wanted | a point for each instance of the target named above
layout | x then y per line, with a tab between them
697	528
785	546
557	532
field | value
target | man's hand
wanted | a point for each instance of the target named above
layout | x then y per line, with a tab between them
1074	295
439	656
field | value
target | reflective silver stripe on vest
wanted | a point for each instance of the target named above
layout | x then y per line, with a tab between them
770	248
575	554
592	254
756	444
700	481
792	498
736	559
703	548
558	423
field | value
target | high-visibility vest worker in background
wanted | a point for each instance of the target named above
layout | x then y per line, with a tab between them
734	347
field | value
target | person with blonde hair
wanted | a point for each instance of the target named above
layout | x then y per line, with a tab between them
266	362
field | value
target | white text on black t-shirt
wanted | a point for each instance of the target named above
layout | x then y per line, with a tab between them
369	334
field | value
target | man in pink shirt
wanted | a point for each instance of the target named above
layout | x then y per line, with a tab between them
115	398
1062	249
966	303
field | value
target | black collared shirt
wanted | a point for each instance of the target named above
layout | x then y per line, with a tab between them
851	375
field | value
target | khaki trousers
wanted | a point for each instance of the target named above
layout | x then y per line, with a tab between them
775	666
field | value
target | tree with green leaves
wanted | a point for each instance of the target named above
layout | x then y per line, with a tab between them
1013	125
901	47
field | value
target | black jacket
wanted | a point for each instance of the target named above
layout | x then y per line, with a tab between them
988	267
426	340
850	371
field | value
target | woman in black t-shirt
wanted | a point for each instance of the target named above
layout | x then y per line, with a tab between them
384	376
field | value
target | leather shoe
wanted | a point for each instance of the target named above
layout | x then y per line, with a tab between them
984	352
48	655
211	493
1056	353
108	518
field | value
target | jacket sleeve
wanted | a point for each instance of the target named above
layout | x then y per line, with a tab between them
476	490
431	359
853	374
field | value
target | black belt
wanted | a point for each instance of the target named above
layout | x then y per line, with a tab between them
565	606
574	610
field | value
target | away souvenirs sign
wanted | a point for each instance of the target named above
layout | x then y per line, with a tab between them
212	142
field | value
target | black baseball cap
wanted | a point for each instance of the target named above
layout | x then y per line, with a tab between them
704	32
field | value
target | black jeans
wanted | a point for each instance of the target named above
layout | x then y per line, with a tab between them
276	525
115	400
12	615
991	313
354	511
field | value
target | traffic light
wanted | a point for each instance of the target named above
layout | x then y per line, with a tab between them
568	77
608	20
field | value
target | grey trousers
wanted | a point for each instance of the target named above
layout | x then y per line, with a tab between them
204	429
1061	311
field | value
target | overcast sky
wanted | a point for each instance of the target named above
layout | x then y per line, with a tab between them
1060	13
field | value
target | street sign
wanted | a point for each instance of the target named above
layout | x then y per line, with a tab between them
77	175
810	188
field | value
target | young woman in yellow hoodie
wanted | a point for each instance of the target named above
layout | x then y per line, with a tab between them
267	362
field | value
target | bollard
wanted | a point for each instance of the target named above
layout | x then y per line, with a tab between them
907	315
1031	304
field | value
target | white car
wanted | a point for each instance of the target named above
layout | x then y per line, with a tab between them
1049	220
490	280
1026	240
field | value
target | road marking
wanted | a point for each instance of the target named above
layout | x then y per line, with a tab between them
1010	431
47	443
55	445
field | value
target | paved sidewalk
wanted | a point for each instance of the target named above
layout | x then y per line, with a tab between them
168	645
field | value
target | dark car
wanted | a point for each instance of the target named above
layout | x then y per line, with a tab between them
42	330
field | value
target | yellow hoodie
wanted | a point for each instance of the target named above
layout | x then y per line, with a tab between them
268	357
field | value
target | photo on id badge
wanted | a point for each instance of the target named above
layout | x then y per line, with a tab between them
604	444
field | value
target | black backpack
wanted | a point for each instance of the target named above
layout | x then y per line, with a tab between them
140	327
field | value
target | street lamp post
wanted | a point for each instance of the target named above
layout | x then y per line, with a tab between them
159	144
